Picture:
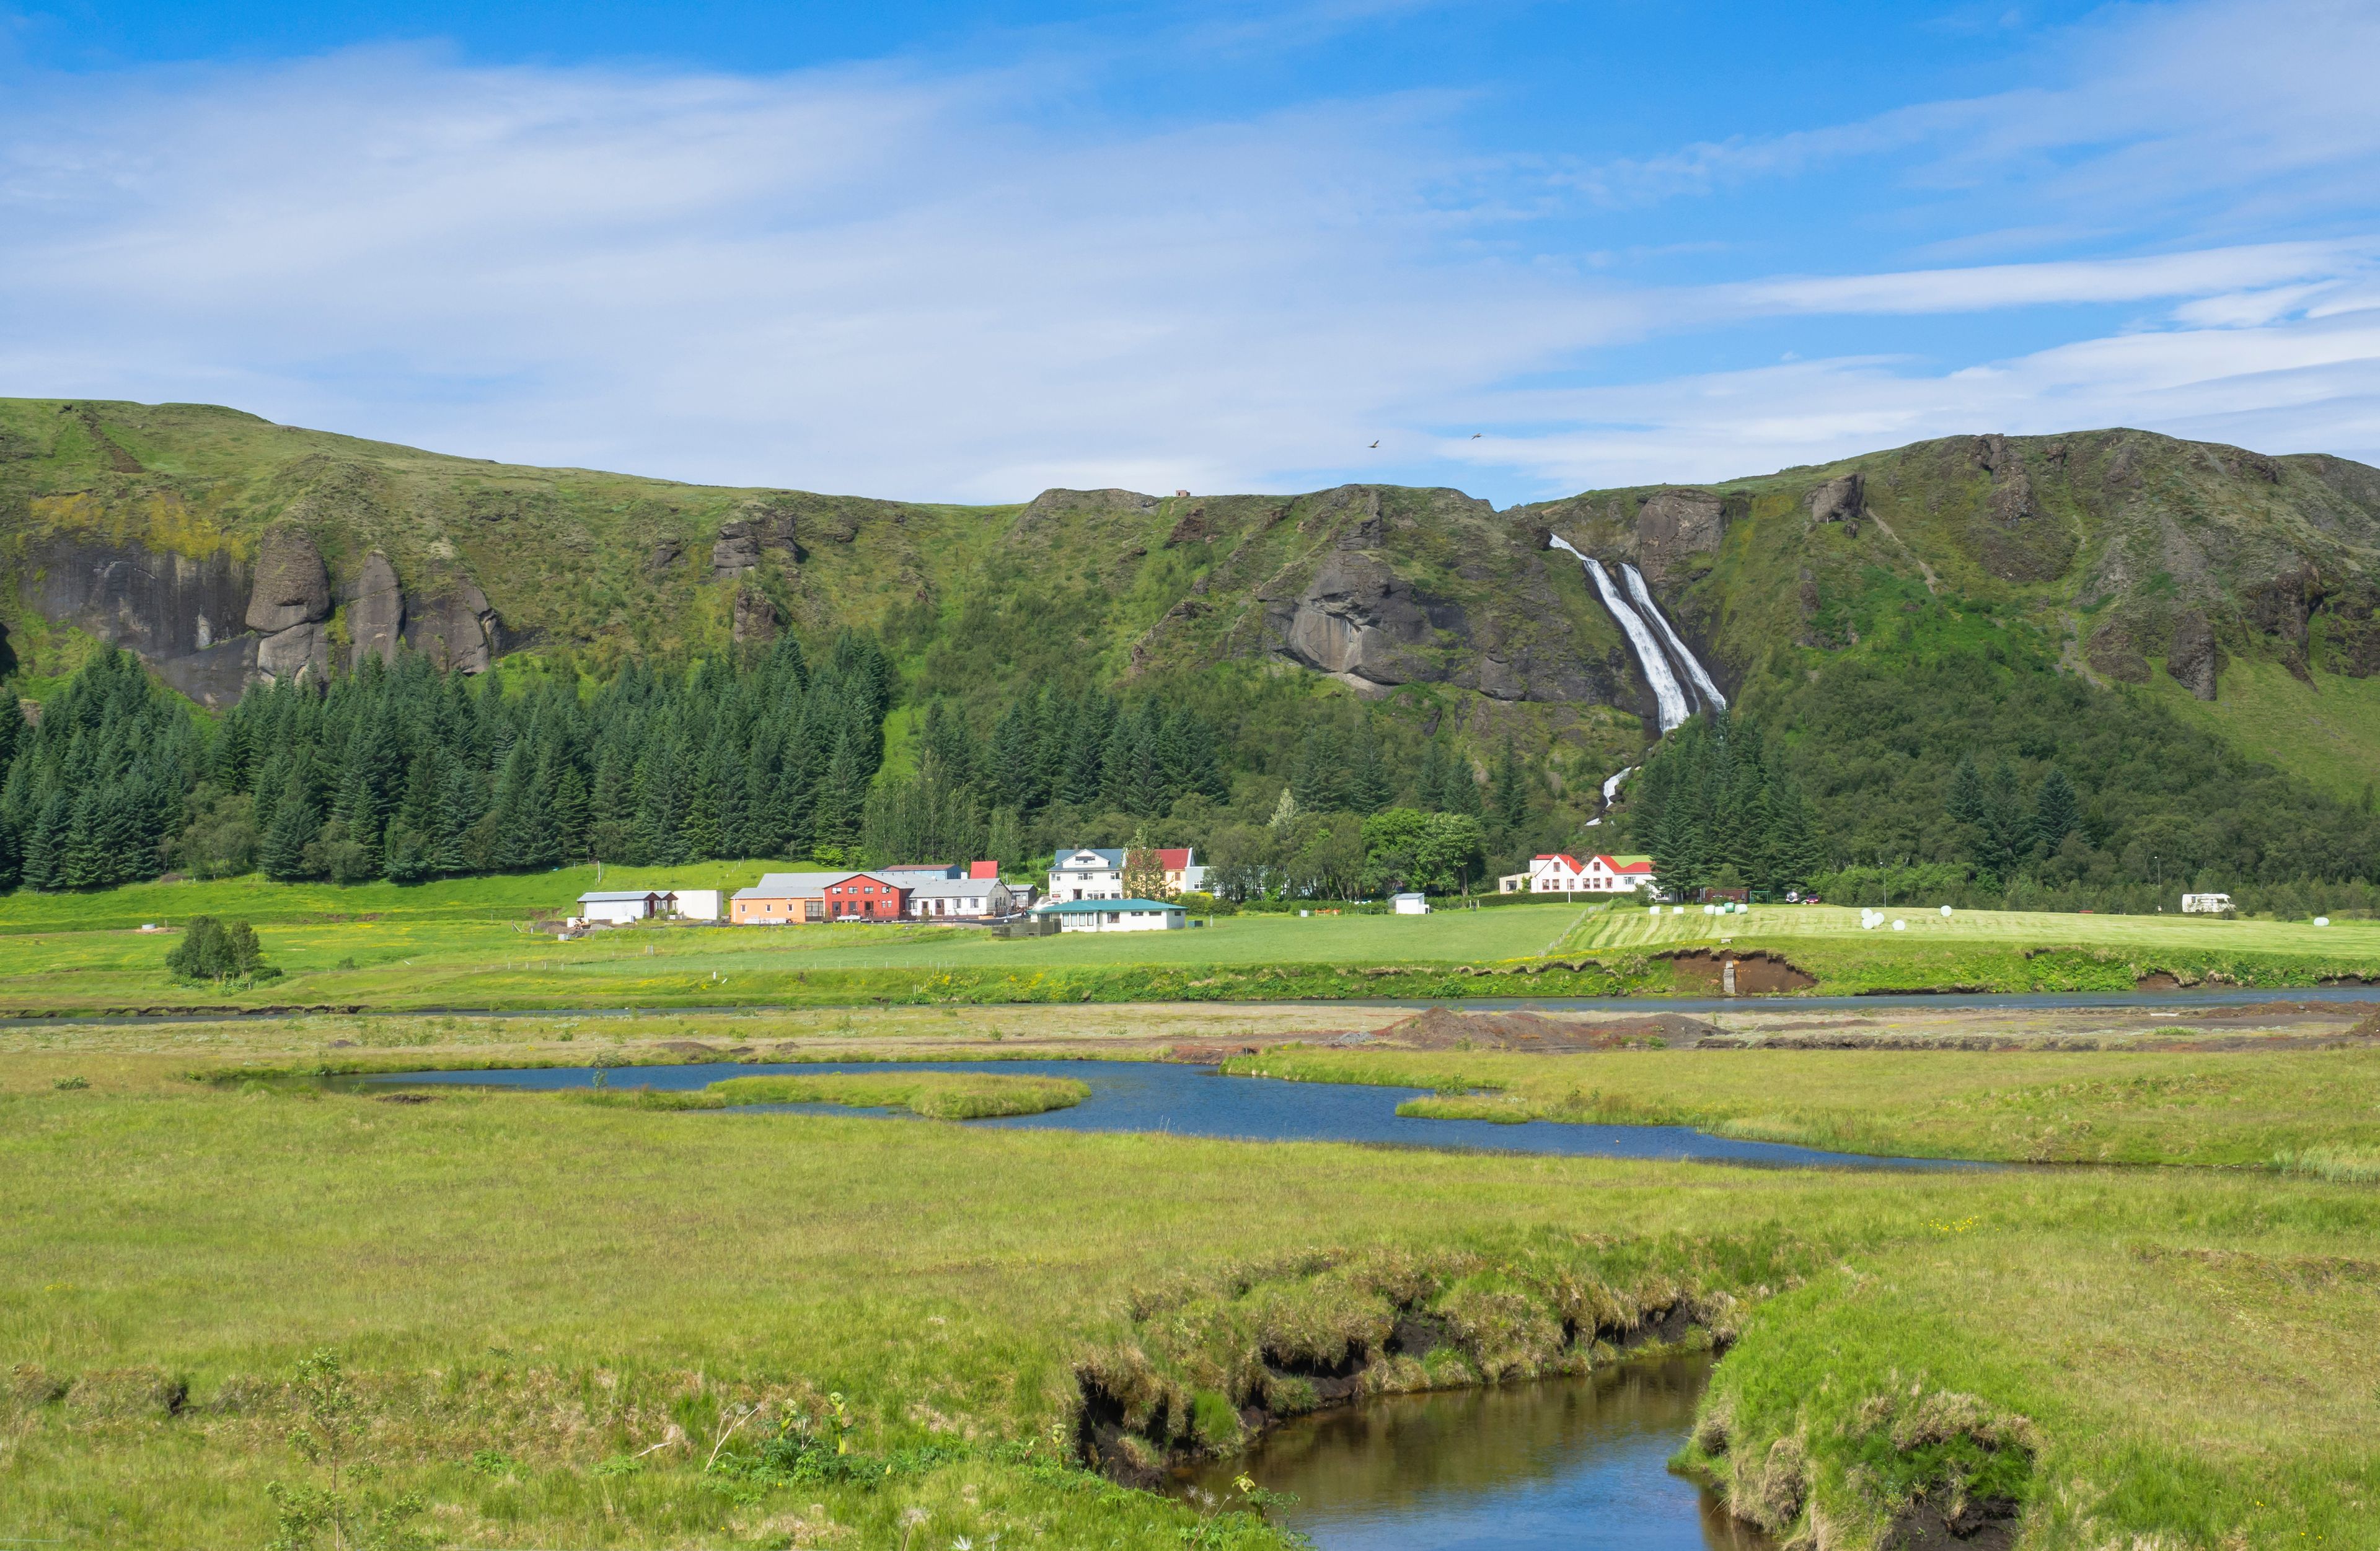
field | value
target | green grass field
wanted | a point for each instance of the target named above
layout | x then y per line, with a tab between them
548	1314
469	944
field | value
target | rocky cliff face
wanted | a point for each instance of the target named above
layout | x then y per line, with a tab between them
283	554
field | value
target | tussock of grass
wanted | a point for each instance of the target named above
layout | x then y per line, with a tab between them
2349	1165
2232	1109
942	1096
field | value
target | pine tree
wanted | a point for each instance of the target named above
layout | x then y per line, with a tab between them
1965	804
282	851
1510	807
2057	812
1369	787
1319	777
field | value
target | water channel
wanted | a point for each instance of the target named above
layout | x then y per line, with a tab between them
1578	1463
1168	1097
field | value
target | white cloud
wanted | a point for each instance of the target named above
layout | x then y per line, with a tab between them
900	283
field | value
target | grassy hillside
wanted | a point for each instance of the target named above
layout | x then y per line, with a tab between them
2182	628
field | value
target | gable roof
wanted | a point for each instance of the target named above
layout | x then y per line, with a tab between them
1173	858
834	878
610	896
1564	858
1628	863
791	885
954	888
1107	858
1086	907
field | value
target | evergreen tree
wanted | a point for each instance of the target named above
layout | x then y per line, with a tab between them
1369	787
1319	777
2057	812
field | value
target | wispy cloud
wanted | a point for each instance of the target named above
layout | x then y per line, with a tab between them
918	281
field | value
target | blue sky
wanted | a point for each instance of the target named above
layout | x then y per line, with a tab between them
965	252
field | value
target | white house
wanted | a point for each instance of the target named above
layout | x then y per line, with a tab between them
698	905
1115	916
2205	904
1099	873
1559	872
1087	875
959	898
621	906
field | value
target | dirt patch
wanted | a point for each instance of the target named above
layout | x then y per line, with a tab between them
1442	1028
2160	981
1932	1524
406	1098
1209	1054
1756	973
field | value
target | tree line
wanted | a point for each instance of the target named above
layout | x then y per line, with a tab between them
1716	808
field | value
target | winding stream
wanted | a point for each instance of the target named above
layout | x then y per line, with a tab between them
1580	1464
1168	1097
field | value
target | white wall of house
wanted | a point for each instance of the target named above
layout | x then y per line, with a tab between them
700	904
1145	919
1087	875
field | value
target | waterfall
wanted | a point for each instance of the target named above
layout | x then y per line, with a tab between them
1644	595
1611	787
1668	693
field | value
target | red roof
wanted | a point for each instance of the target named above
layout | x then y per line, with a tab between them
1173	858
983	869
882	883
1564	858
1632	866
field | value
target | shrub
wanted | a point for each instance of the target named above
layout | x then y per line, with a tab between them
211	950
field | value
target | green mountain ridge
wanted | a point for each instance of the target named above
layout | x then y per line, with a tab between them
2172	589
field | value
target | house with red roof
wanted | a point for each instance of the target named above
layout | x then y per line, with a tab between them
1559	872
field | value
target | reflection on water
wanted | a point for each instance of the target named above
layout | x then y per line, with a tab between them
1569	1462
1195	1101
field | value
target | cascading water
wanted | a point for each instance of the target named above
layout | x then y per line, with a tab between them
1611	787
1668	694
1651	611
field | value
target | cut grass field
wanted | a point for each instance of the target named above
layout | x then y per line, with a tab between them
469	944
550	1313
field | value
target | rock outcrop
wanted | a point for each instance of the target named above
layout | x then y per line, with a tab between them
291	587
1358	620
755	617
2112	651
1671	526
288	601
1840	500
453	625
375	612
183	616
2194	660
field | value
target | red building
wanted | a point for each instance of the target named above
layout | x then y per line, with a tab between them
863	896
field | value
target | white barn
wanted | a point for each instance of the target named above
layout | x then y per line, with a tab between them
958	898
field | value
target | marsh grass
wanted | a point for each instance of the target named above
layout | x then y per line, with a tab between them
2314	1108
565	1285
942	1096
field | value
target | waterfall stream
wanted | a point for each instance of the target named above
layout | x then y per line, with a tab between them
1651	611
1668	693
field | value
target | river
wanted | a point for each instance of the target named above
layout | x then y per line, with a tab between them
1579	1463
1168	1098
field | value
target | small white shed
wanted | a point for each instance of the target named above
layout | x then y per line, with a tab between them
1409	905
618	907
700	904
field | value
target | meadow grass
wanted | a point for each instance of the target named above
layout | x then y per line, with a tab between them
2257	1110
942	1096
530	1295
433	961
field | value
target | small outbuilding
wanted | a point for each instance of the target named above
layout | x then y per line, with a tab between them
1116	915
618	907
1409	905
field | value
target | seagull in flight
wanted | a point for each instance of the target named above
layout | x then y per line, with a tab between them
1474	436
1374	444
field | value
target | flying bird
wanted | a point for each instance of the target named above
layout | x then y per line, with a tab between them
1474	436
1374	444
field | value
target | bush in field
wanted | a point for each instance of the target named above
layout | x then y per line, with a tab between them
212	951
